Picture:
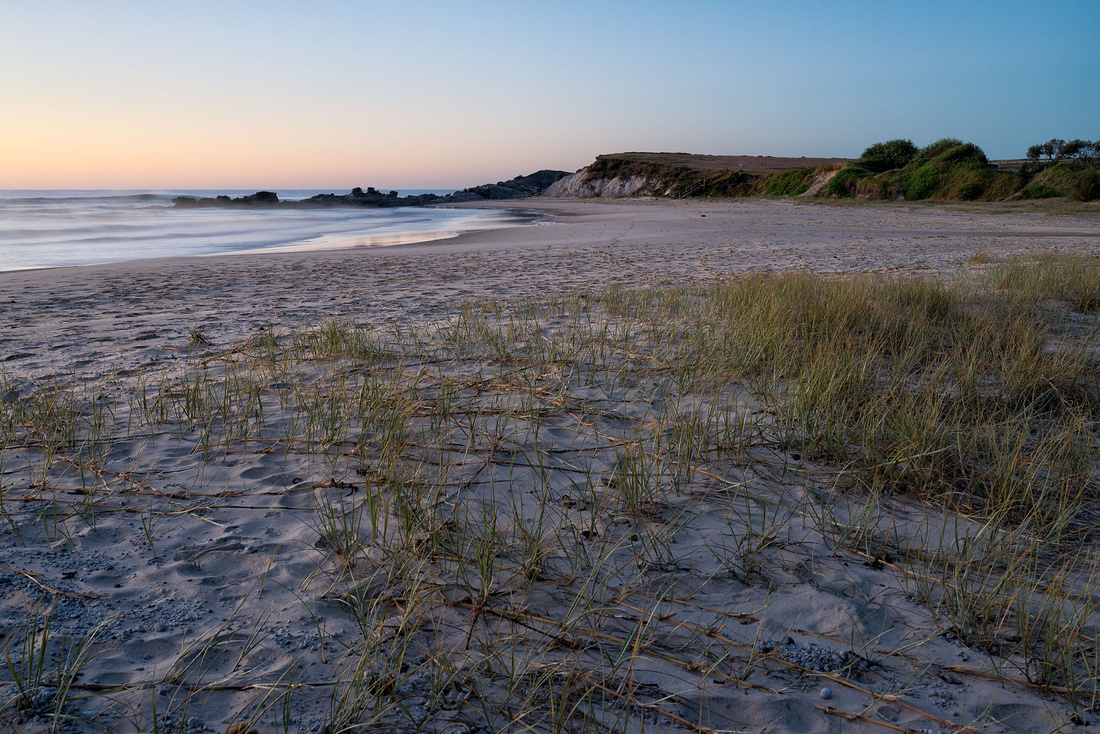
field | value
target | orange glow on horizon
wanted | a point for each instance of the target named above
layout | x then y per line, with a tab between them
107	152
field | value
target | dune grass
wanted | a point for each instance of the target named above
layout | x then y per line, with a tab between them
517	506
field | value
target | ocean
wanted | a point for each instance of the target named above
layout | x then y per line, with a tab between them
44	229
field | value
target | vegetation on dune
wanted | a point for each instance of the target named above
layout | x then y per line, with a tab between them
947	170
887	156
679	181
953	170
1037	191
676	180
791	183
1060	168
1069	180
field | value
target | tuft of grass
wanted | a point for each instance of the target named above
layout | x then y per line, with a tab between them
196	337
44	668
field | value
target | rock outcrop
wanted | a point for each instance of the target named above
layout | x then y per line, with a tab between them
370	197
258	199
520	187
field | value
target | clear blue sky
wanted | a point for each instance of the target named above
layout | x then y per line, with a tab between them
437	94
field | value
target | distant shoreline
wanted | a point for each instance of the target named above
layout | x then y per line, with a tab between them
42	233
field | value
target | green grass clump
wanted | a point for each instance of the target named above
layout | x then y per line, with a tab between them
791	183
845	182
1072	280
1037	191
922	182
971	369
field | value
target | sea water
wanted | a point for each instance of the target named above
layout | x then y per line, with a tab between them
41	229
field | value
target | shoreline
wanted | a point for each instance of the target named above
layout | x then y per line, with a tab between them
856	223
589	245
121	239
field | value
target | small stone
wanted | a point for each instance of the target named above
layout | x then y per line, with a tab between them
826	694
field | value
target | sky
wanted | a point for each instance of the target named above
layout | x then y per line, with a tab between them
433	94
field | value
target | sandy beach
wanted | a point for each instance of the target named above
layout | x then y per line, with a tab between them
105	317
263	562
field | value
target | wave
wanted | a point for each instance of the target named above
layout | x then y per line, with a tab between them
87	199
57	231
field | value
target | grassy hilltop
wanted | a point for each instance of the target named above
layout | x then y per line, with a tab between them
946	170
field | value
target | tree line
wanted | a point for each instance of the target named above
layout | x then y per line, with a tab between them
1084	153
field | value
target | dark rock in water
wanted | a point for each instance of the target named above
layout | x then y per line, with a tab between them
260	198
460	196
370	197
519	187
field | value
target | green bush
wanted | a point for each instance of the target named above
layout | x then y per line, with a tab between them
948	169
888	156
922	182
963	153
933	150
971	191
845	182
1038	191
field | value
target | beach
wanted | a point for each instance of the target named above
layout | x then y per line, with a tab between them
104	317
457	552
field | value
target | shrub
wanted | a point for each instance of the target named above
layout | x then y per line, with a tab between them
935	149
845	182
1038	191
950	169
971	191
964	153
922	182
888	156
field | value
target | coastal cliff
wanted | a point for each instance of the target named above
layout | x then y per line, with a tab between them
584	184
679	175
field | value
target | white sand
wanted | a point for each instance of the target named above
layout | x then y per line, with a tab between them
240	552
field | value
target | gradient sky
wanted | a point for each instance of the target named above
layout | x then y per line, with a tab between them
434	94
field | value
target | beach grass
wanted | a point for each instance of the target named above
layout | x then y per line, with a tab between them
578	513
